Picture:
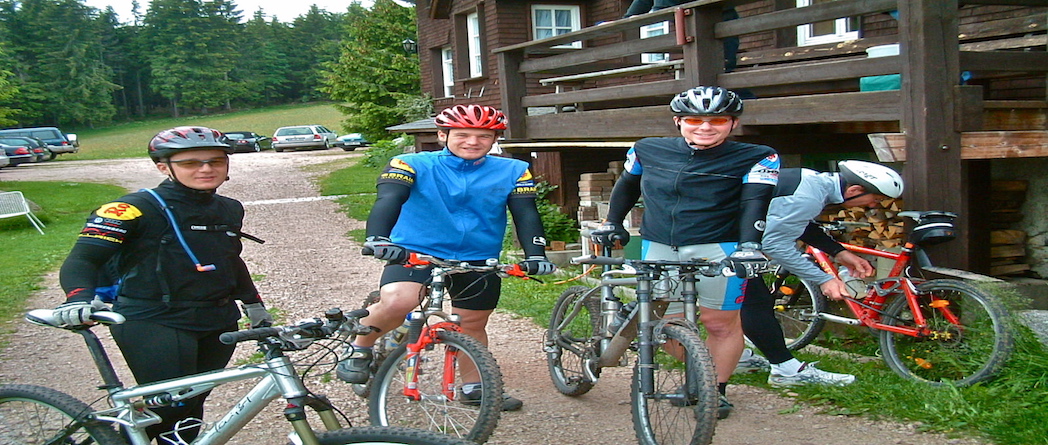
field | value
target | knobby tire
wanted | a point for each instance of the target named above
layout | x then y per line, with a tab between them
388	406
387	435
570	339
31	415
683	407
797	313
959	355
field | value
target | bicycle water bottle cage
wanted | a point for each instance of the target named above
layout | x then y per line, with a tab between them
893	282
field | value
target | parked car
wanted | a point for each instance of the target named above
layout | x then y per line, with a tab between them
303	136
57	142
245	141
39	148
4	162
350	142
17	154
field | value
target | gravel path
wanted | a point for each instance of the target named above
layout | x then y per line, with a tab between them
308	265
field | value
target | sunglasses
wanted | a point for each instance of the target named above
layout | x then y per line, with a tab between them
692	120
193	164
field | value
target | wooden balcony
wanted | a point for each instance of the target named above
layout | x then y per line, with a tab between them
614	97
805	99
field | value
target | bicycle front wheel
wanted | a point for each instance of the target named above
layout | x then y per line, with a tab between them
437	369
967	337
570	340
387	435
797	306
682	409
32	415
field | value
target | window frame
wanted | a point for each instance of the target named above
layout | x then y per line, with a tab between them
576	21
654	57
447	70
841	32
474	44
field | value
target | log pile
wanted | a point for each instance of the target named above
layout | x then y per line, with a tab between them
1007	244
884	229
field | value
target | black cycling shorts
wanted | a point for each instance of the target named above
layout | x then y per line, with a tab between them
471	290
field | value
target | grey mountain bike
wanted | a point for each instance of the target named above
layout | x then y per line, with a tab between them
31	414
673	397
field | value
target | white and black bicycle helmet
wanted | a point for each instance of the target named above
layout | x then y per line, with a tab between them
707	101
875	178
176	140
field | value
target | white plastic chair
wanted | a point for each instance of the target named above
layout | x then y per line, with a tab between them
14	204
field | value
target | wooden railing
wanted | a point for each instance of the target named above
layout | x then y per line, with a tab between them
798	85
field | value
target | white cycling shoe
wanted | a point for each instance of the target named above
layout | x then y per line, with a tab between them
808	374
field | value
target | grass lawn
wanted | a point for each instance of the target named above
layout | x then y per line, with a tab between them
130	140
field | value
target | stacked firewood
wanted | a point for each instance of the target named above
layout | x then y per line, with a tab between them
883	228
1007	244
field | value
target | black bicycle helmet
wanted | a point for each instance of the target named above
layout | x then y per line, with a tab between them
707	101
875	178
178	139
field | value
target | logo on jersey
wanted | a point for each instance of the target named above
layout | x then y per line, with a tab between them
119	210
401	165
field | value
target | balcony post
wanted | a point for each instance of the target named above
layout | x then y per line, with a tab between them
703	52
514	88
934	174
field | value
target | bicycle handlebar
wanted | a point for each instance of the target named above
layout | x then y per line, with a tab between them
333	322
417	260
703	266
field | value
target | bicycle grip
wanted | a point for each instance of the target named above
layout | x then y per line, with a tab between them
230	338
358	314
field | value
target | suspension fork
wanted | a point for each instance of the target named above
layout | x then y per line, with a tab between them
645	334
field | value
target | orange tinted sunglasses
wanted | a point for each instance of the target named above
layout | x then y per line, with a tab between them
692	120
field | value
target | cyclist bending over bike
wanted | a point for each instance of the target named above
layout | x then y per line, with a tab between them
704	197
799	198
450	204
181	270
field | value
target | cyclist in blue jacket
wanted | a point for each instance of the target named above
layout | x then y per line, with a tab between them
450	204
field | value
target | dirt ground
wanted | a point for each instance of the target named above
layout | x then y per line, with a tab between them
308	265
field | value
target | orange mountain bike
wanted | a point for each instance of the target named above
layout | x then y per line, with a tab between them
940	331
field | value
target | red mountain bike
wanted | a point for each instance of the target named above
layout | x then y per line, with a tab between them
939	331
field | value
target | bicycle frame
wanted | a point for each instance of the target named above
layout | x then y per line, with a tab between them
867	310
278	378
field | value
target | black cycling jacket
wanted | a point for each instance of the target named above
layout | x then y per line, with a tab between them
160	282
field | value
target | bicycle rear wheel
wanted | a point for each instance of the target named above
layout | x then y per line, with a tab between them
573	328
388	406
959	353
387	435
797	307
32	415
683	407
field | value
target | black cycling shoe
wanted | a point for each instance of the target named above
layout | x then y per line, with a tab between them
724	410
509	403
356	368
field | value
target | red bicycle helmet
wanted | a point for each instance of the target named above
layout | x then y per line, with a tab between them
471	116
178	139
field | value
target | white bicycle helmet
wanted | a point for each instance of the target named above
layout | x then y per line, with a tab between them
875	178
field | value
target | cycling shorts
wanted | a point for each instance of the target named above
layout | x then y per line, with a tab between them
471	290
724	293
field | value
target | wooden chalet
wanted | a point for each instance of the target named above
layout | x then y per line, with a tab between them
579	84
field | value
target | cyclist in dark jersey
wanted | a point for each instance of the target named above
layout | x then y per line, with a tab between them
704	197
177	290
450	204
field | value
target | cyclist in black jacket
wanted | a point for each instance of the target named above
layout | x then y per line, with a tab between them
704	197
178	255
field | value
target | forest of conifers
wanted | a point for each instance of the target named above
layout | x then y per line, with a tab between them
67	64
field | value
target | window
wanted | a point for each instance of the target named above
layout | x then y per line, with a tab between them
447	65
652	30
839	30
476	58
554	20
